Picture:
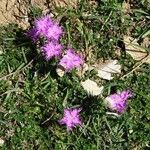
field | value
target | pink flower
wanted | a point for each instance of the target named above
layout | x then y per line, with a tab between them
51	49
54	32
118	102
71	118
43	24
71	60
33	34
48	28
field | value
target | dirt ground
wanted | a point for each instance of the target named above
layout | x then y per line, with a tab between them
17	10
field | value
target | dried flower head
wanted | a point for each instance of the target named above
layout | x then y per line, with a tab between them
118	102
51	49
71	60
71	118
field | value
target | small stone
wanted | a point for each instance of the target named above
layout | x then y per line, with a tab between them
1	142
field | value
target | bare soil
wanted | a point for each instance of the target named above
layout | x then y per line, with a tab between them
16	11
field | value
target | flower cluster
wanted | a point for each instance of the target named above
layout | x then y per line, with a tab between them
45	27
115	102
49	29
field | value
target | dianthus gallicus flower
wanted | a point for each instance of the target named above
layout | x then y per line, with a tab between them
118	102
71	60
43	23
51	49
54	32
46	27
71	118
